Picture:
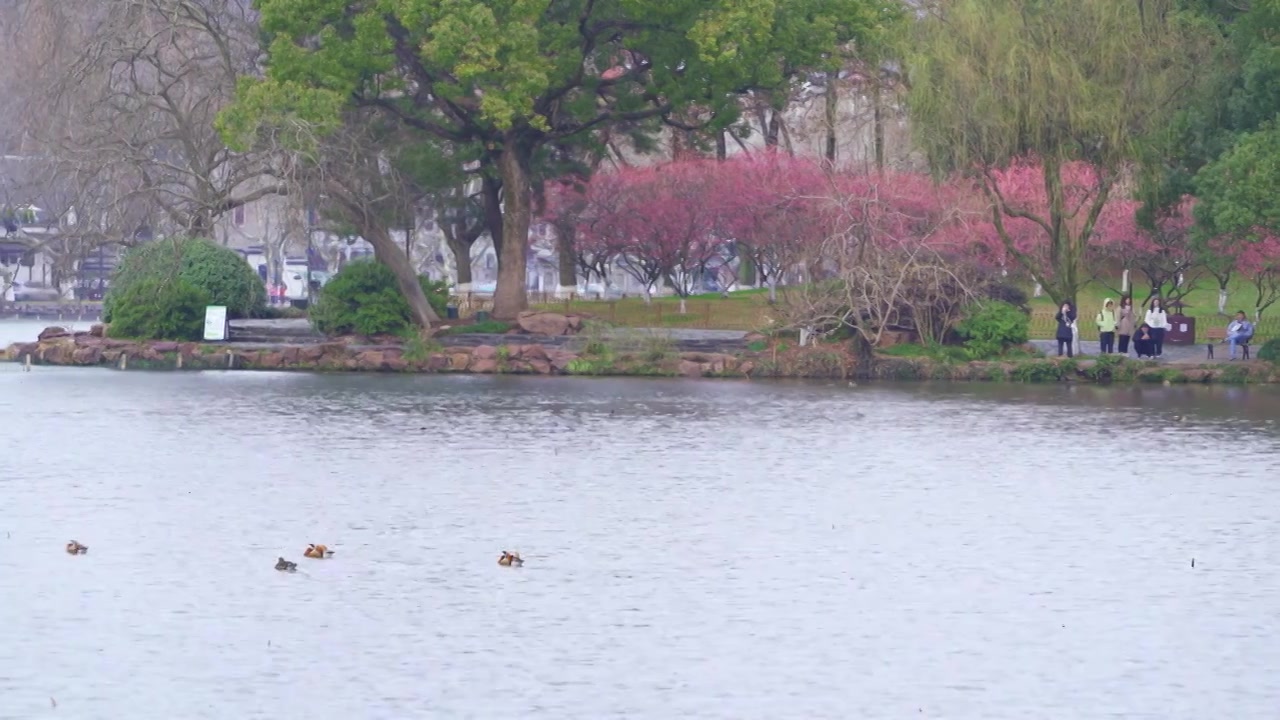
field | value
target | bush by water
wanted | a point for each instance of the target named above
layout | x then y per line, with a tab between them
1270	351
219	272
992	327
157	309
363	299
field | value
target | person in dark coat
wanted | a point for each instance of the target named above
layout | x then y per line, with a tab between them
1144	342
1066	334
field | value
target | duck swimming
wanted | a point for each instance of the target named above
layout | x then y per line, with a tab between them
285	566
75	548
510	559
317	551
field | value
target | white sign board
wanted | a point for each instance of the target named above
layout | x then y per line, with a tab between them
215	322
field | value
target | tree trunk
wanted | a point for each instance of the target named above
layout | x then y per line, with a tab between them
747	275
566	261
390	253
877	114
722	146
387	251
832	104
493	220
772	129
511	296
462	259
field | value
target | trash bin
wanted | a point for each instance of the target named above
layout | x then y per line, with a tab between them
1182	330
482	316
450	312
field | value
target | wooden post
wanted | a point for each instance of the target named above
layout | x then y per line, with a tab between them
124	361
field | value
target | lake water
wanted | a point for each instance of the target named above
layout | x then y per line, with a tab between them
696	549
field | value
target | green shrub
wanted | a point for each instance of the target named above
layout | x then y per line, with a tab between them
1270	351
156	309
417	348
364	299
1037	371
1111	367
992	327
221	273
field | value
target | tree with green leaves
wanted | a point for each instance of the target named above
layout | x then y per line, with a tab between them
510	76
996	81
1240	191
1218	134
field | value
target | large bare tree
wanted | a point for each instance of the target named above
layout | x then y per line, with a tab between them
119	99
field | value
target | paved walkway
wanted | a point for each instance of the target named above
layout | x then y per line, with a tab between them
1177	354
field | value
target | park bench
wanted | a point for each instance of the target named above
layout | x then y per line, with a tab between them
1217	335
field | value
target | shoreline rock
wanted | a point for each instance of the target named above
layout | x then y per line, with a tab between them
57	346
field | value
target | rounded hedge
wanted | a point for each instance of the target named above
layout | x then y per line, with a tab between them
155	309
364	299
991	327
1270	351
221	273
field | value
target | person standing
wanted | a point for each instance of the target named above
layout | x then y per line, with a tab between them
1106	321
1125	323
1239	332
1066	318
1159	323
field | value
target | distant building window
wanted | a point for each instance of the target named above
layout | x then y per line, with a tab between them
237	216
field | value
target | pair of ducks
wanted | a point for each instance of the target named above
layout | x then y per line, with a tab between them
75	548
313	551
507	559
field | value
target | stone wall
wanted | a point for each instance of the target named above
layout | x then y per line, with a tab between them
57	346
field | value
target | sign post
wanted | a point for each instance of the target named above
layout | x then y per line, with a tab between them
215	322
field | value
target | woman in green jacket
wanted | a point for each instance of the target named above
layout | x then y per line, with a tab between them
1106	321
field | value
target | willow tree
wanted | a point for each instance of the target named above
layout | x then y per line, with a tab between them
997	81
511	76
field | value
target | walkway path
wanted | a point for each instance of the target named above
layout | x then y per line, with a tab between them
1177	354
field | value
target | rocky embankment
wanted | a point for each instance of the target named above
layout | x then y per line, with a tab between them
658	353
518	354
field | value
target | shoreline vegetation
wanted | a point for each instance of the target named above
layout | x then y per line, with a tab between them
758	357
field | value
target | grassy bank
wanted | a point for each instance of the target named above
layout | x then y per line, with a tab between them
749	310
